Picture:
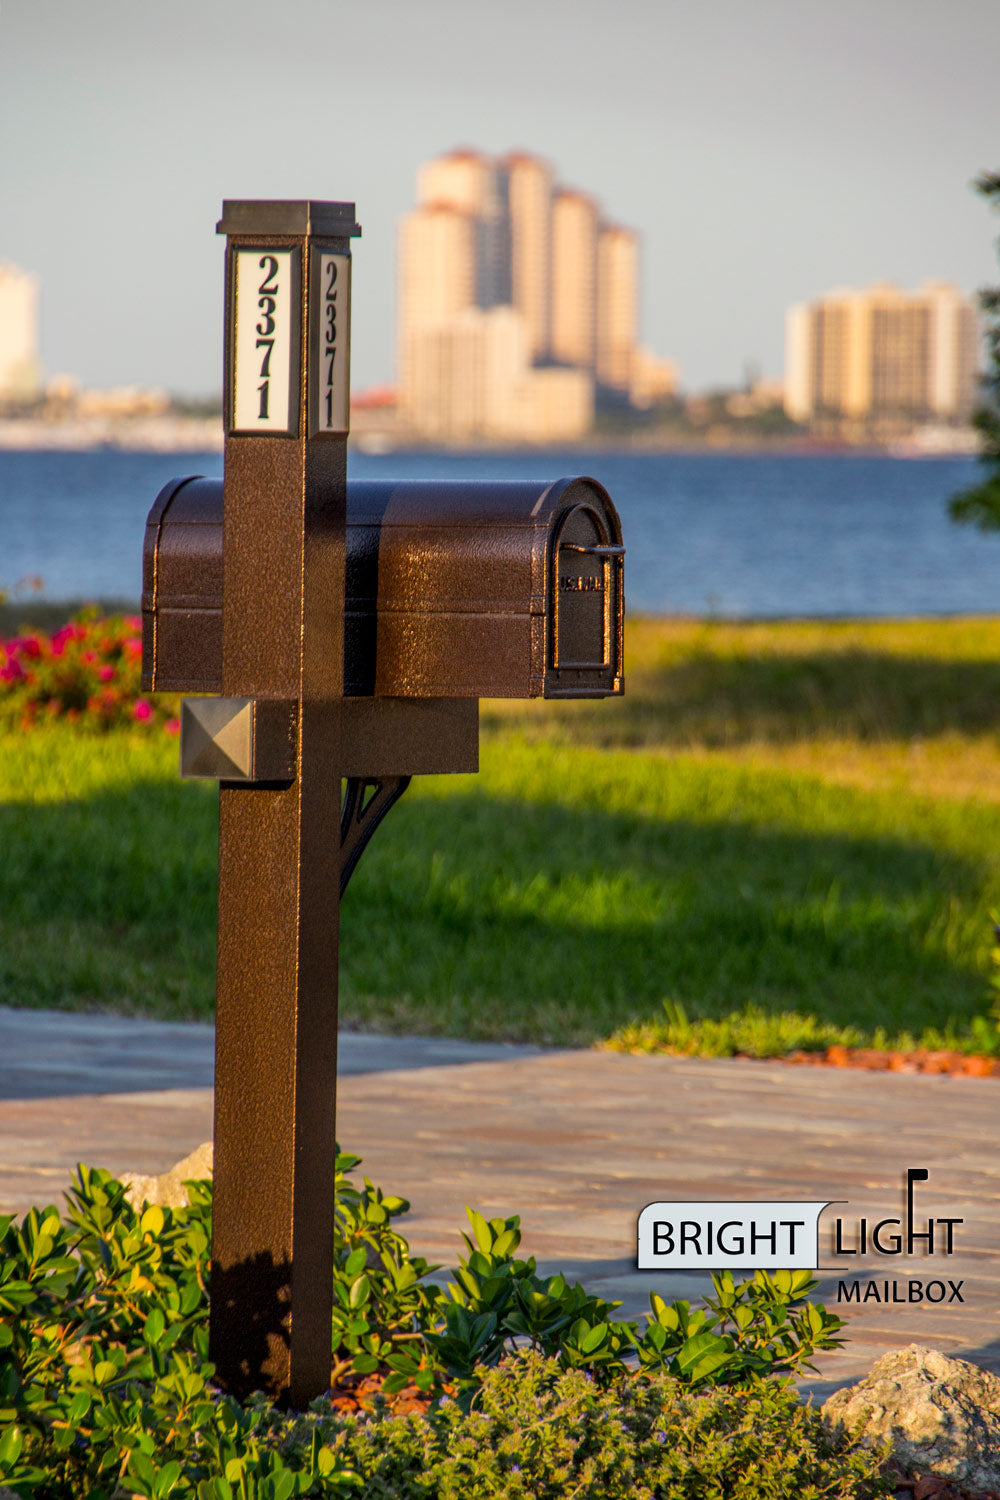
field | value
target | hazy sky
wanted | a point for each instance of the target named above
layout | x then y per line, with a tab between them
767	150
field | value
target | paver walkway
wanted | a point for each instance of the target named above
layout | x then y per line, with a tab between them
575	1142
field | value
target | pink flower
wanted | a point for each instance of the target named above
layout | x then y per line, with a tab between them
12	672
134	622
142	711
173	726
31	646
133	647
106	674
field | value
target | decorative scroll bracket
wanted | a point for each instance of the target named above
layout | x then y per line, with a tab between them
361	813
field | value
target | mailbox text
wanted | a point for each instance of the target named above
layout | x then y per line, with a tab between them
329	379
262	317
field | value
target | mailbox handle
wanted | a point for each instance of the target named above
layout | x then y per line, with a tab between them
601	550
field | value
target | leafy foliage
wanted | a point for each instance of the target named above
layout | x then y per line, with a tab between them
106	1388
981	503
105	1384
543	1431
87	672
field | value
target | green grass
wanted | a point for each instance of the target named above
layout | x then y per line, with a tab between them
783	836
751	851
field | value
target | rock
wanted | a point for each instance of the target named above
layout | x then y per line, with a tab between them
942	1415
168	1189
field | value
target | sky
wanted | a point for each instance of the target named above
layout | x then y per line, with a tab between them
767	152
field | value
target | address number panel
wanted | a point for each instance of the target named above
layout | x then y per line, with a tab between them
265	314
330	338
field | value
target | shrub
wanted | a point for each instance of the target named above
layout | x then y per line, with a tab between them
86	673
105	1384
542	1431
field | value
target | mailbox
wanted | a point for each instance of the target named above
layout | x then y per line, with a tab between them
344	642
453	590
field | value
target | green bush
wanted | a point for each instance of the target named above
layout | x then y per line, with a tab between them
541	1431
106	1388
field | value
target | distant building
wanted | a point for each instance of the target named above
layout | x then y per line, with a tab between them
652	379
471	379
617	308
436	279
574	278
517	305
20	366
882	359
527	184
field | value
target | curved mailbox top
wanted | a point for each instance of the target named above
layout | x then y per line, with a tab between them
453	590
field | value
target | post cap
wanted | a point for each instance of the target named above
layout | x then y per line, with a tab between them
288	216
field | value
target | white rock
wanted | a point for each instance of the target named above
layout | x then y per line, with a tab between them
942	1415
168	1189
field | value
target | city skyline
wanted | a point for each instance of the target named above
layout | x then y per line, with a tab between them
517	305
762	156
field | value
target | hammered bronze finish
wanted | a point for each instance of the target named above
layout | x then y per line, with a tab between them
453	590
346	635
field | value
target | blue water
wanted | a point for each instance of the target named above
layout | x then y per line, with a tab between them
706	534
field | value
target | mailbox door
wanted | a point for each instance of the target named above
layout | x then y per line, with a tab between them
585	621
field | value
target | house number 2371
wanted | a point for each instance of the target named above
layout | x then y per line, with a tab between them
263	318
330	381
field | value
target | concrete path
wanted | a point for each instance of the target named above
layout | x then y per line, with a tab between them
575	1142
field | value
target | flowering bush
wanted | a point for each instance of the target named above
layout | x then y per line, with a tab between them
86	673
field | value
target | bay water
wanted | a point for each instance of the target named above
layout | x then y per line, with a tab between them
763	535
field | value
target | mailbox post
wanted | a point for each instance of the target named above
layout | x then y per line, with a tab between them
343	633
286	404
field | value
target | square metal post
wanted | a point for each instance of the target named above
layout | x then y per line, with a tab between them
285	496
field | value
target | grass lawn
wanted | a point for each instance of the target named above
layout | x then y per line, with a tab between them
795	827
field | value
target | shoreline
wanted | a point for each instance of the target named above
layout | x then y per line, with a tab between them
180	434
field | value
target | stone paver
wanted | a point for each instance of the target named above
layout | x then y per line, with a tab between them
575	1142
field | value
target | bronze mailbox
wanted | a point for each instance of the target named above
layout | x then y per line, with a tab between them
453	590
344	643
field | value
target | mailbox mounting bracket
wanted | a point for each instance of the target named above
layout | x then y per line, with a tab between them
366	802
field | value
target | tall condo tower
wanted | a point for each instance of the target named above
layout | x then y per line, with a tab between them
617	306
436	276
527	182
574	278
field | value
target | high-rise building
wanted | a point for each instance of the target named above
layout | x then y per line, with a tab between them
617	307
515	303
574	278
20	368
882	358
527	182
436	275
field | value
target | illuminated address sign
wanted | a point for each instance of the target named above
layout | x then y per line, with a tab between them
264	335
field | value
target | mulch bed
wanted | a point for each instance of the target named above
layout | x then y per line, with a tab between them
922	1060
357	1393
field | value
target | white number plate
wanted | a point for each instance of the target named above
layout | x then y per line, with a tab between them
263	320
330	380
